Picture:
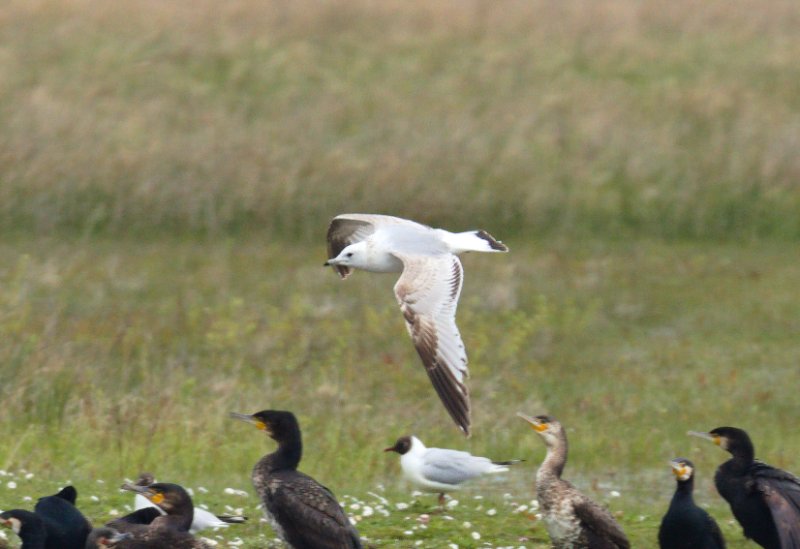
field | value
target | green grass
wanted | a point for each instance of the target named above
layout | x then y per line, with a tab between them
121	355
666	119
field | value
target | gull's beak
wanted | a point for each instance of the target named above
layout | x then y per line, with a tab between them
537	425
389	449
708	436
331	262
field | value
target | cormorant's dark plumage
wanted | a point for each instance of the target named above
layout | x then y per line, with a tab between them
55	523
28	526
687	526
105	538
572	519
765	500
159	535
302	512
152	530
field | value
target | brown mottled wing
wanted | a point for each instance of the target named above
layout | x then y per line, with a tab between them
309	513
781	492
603	530
427	292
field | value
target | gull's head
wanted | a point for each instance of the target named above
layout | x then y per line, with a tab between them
734	440
353	255
546	427
682	468
168	497
402	446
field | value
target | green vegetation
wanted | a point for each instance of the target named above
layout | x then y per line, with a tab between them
168	169
120	356
666	119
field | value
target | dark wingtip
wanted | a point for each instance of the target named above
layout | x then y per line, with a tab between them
493	242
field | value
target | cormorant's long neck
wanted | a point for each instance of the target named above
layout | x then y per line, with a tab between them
289	452
556	458
180	519
743	456
684	490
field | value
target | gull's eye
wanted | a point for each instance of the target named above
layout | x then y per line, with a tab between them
349	254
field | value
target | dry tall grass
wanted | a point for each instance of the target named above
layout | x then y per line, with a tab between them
665	118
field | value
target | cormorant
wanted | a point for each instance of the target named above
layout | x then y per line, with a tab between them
302	512
765	500
441	470
687	526
202	519
163	530
28	526
573	520
55	523
67	528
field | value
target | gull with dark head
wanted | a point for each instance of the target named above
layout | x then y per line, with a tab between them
440	470
427	290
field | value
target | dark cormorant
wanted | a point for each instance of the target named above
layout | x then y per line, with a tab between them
302	512
67	528
159	535
55	523
765	500
202	519
687	526
573	520
172	499
28	526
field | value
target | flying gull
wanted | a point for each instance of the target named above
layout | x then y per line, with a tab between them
439	469
427	289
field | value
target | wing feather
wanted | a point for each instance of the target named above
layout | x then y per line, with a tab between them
453	466
428	292
310	515
781	491
600	523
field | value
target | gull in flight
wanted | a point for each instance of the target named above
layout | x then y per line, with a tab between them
439	469
427	290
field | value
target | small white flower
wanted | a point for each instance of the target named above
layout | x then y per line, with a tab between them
94	498
453	546
521	509
452	503
401	506
355	506
114	513
477	497
352	521
367	511
408	533
29	476
100	481
416	493
202	490
467	524
11	485
491	512
614	494
475	535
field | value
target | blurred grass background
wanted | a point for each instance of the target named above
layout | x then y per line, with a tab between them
168	170
668	119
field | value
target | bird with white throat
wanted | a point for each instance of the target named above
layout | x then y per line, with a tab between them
427	290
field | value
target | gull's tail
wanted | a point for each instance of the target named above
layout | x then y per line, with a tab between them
472	241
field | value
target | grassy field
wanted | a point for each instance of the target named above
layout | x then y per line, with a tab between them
168	169
122	355
666	119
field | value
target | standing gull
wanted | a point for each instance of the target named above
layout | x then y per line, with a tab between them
441	470
427	290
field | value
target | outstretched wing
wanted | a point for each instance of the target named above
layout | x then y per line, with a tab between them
600	524
428	292
310	515
781	491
